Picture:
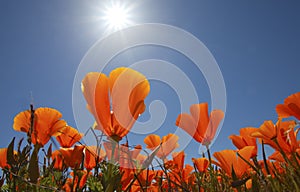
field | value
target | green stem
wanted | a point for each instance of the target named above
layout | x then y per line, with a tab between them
213	178
264	157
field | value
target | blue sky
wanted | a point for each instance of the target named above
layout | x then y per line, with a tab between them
256	45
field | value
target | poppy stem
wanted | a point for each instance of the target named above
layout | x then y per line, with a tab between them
31	124
208	153
214	180
264	156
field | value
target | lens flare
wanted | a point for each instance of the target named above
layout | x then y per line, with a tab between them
117	16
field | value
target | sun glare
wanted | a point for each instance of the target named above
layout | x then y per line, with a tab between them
116	16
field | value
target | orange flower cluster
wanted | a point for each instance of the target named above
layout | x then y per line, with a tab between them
116	101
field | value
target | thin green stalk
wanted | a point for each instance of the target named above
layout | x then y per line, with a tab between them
213	179
264	157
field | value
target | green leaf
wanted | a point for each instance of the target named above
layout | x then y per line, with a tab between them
49	151
23	157
233	175
10	153
33	168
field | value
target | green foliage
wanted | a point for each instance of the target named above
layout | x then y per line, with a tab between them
111	177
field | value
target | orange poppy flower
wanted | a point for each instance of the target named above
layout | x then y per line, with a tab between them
178	160
228	159
57	157
115	101
127	176
93	155
245	139
286	138
47	123
168	144
201	164
266	131
179	173
183	176
76	182
291	107
3	158
199	124
279	136
68	137
177	164
72	157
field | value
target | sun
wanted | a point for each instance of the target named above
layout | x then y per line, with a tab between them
117	16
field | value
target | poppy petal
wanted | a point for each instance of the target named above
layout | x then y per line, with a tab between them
215	118
152	141
128	90
200	115
283	111
22	121
188	124
95	88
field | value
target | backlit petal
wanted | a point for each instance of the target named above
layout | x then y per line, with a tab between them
128	90
3	158
200	115
188	124
215	118
95	87
152	141
22	121
68	137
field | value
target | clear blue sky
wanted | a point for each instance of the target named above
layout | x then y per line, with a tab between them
255	43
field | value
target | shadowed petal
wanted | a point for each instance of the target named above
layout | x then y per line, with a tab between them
283	111
72	156
201	164
291	107
226	159
92	153
238	141
178	159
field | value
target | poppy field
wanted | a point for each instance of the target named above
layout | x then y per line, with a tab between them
116	101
